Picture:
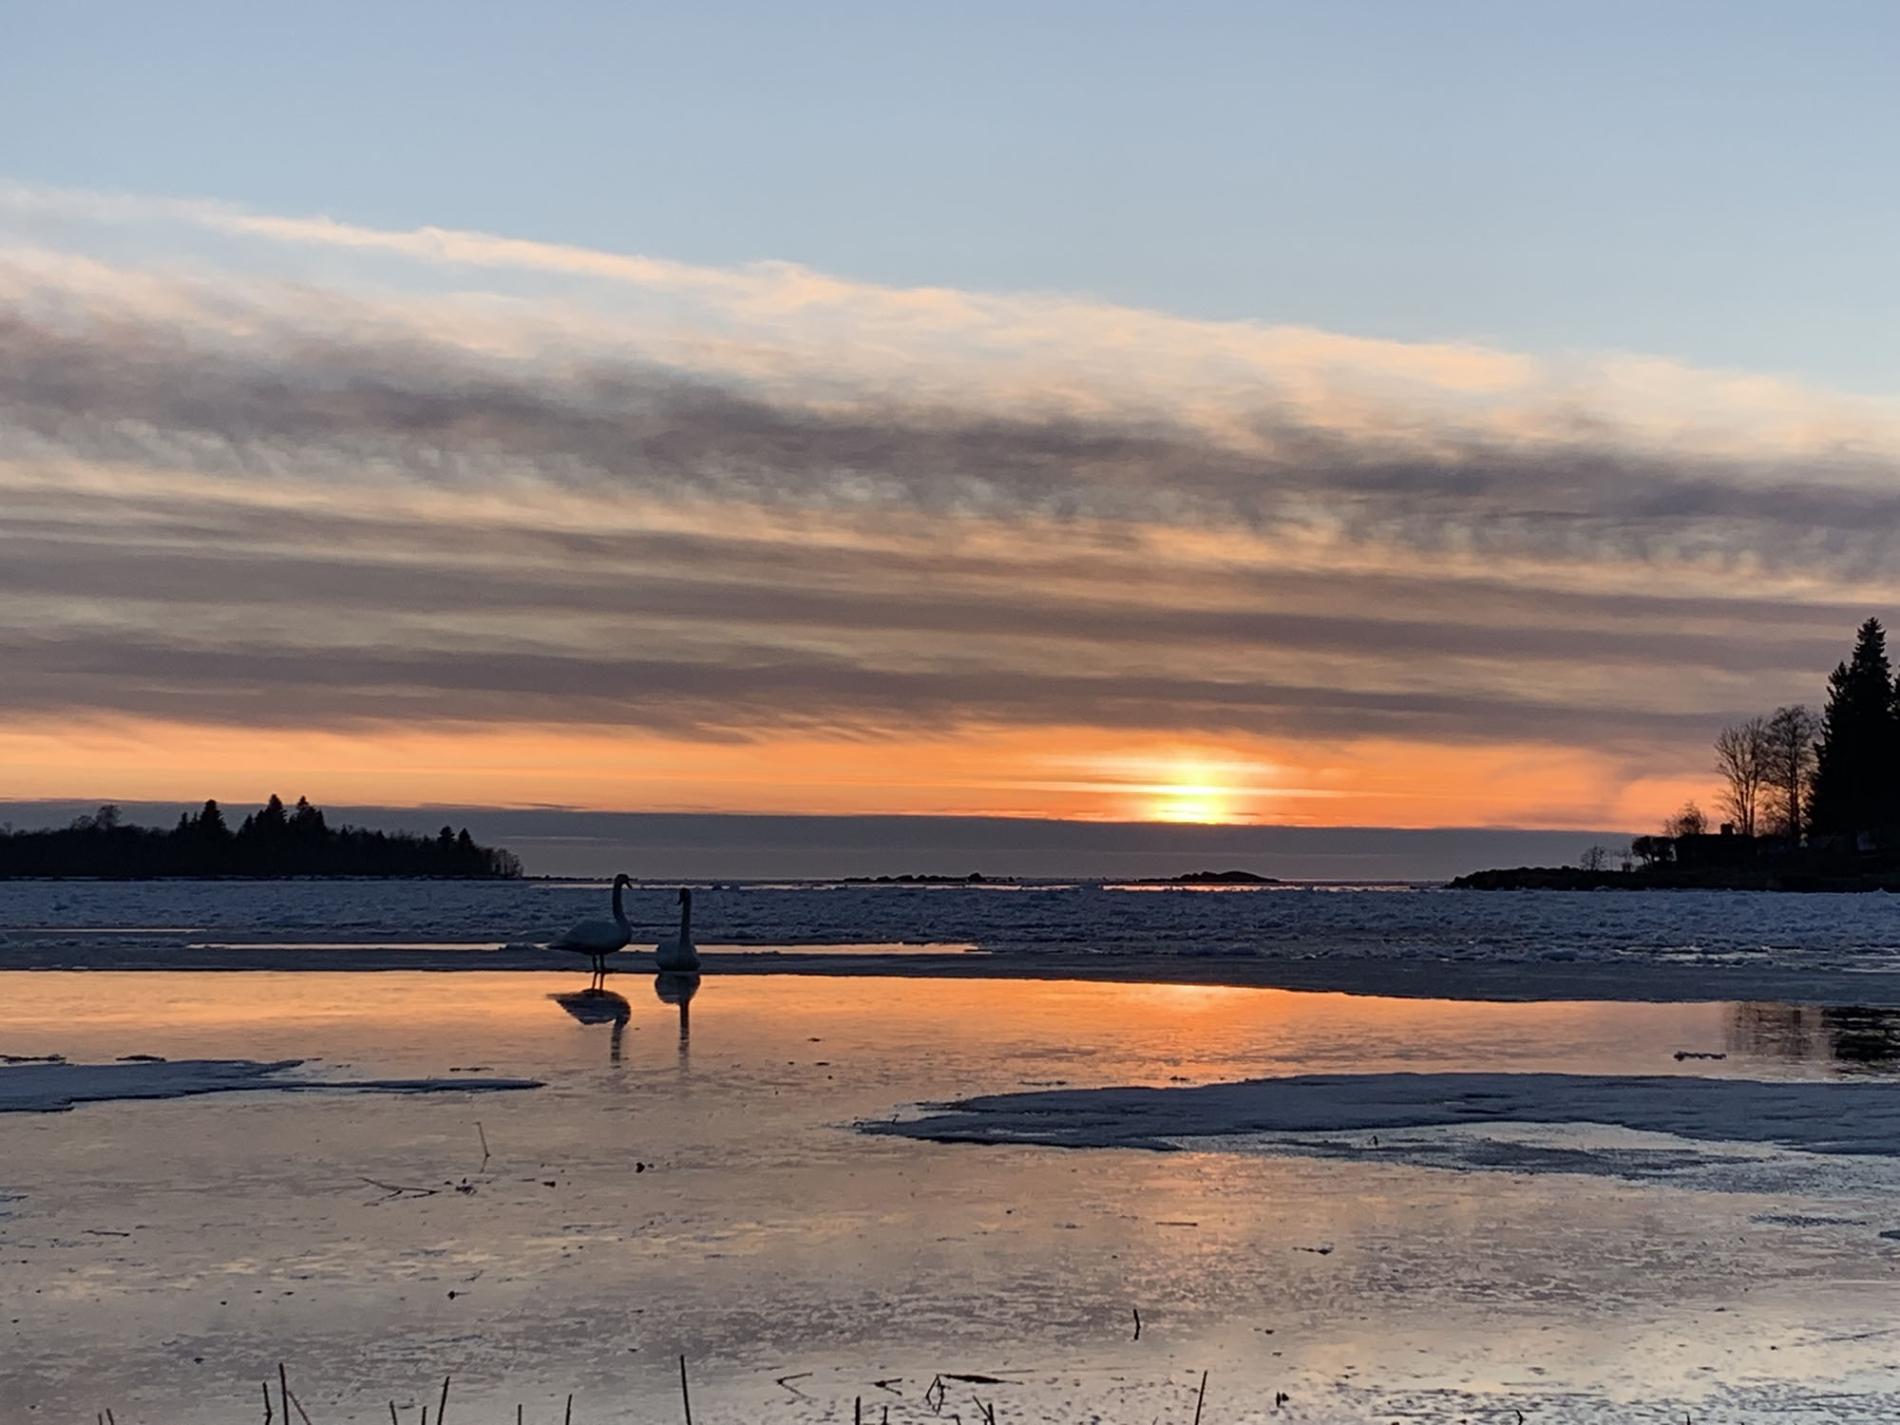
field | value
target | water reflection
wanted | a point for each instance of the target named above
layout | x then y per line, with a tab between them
678	987
1440	1283
1849	1039
594	1005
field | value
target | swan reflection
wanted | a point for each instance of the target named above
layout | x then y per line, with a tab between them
678	987
594	1005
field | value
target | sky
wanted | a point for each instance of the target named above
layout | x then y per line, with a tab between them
1345	415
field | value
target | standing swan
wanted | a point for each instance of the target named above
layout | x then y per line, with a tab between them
597	939
680	953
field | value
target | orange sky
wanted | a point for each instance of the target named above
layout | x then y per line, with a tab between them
1077	773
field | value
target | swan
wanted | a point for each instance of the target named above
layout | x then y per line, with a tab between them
597	939
680	953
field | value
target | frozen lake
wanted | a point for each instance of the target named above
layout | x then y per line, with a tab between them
1841	949
699	1185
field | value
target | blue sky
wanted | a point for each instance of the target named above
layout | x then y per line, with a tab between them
1709	182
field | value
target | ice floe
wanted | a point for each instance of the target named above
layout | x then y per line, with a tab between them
55	1087
1837	1118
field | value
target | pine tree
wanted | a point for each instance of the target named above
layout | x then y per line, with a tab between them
211	824
1857	771
270	842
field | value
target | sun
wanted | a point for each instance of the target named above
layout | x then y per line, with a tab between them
1192	793
1185	785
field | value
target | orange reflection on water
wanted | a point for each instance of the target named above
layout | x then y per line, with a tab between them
1066	1030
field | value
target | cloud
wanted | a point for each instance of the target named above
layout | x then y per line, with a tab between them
711	589
294	471
253	684
270	383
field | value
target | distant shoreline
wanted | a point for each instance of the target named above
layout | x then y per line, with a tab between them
271	843
1678	878
239	877
854	882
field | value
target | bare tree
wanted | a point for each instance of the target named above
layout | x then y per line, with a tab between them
1741	756
1792	733
1594	859
1654	850
1690	821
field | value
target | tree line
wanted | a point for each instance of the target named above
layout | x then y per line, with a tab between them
1794	774
273	841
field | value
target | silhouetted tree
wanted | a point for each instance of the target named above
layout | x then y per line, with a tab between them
1855	761
1790	756
269	842
1594	858
210	825
1653	850
1741	756
306	822
1688	821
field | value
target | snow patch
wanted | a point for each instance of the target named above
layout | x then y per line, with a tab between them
56	1087
1835	1118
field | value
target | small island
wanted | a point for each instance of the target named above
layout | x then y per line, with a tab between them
1222	878
274	841
1809	803
915	878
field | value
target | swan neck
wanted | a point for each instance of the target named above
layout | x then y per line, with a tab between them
620	910
686	918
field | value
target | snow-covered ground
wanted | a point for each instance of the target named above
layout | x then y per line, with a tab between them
691	1180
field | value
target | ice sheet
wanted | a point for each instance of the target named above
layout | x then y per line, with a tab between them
56	1087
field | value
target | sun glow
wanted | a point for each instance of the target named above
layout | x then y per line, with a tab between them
1073	773
1192	803
1193	792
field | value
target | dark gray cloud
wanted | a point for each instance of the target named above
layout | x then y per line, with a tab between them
726	589
269	685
